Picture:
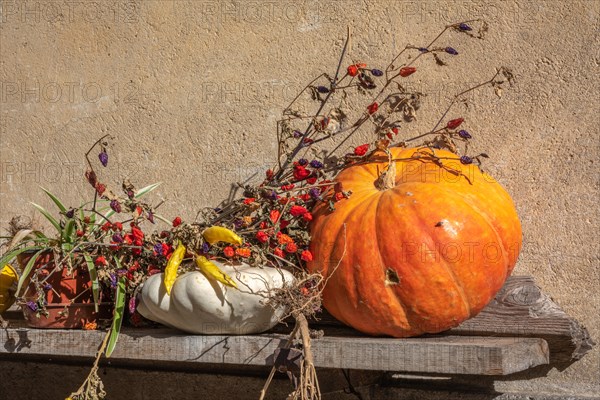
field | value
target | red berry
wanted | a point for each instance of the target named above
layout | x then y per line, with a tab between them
372	108
361	150
406	71
454	123
291	248
100	188
262	237
274	215
100	260
228	251
352	70
301	173
176	222
297	211
306	255
91	177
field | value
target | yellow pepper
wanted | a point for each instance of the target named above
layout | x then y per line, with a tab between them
8	280
172	266
212	271
216	234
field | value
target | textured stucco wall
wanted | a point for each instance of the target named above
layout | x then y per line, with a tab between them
192	90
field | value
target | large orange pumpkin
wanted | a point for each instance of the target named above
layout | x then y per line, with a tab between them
420	253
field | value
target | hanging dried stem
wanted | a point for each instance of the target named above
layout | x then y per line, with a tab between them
308	386
92	388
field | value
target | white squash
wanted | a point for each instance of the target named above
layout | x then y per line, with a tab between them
201	305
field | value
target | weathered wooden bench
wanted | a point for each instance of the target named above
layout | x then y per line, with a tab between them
522	329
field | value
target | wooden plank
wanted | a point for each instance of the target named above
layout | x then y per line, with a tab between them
448	355
520	309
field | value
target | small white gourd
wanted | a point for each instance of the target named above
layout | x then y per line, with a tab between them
201	305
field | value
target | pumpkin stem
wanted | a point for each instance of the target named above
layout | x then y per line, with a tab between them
387	180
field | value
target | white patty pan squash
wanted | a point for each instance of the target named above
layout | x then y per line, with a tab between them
201	305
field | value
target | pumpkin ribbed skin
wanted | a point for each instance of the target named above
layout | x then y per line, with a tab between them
420	257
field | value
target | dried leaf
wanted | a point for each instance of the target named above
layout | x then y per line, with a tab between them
409	113
382	144
438	60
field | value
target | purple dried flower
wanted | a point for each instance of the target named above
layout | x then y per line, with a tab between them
117	238
238	223
47	287
158	248
70	213
464	27
103	156
297	134
303	161
316	164
121	272
113	280
315	193
151	216
132	304
451	50
218	210
130	194
466	160
464	134
205	247
32	306
322	89
423	49
271	195
115	205
377	72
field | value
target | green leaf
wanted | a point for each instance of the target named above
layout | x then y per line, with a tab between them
68	231
94	278
147	190
56	201
11	255
81	213
163	219
49	217
44	240
40	235
27	271
118	314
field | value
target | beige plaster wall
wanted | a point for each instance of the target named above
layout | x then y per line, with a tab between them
192	90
